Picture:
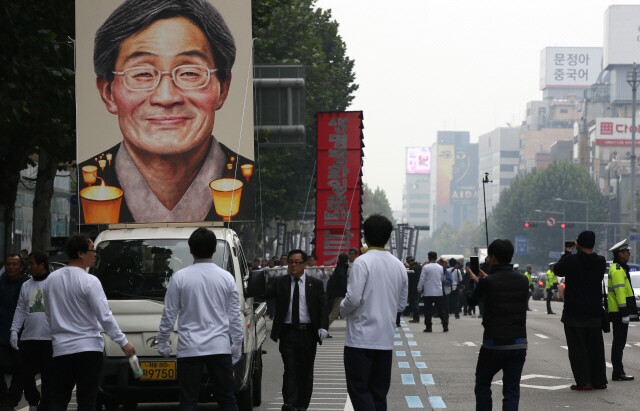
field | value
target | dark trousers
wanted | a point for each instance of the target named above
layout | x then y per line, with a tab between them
368	375
490	362
549	297
619	330
36	358
586	354
428	307
298	351
414	307
220	371
10	364
82	370
454	303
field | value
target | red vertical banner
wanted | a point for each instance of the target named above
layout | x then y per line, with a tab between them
338	184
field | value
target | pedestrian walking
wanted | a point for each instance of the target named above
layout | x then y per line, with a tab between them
504	341
527	273
413	299
582	312
430	289
204	299
551	287
77	310
622	306
35	338
456	285
468	285
376	291
10	283
300	324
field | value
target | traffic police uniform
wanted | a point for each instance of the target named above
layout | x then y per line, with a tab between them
527	274
552	284
622	309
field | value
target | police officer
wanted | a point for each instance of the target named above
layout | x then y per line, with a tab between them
552	286
622	306
527	273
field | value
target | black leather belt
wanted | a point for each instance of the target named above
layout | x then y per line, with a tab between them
299	326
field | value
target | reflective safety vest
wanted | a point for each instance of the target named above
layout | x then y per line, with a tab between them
620	296
528	274
552	280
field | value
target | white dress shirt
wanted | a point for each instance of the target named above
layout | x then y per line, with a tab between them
30	312
431	280
304	311
77	310
204	298
456	275
376	290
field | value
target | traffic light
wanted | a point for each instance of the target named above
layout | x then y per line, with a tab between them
563	225
528	224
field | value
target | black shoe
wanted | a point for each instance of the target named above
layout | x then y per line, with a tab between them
329	336
622	377
551	313
427	330
529	309
457	317
445	329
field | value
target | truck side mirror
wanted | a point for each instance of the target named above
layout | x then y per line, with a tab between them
257	284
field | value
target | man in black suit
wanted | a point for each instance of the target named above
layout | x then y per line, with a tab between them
300	323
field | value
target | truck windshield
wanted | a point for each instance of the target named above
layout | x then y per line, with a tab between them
142	268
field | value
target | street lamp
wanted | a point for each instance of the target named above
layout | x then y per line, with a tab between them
586	203
632	79
554	212
485	180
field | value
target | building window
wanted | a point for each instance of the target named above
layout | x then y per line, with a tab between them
564	110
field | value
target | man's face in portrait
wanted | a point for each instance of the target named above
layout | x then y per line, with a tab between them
167	119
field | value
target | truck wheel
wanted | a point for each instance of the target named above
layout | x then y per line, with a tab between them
245	397
257	380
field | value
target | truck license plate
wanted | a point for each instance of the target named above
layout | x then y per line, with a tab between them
158	370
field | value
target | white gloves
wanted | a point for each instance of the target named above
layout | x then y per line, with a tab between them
625	320
14	339
322	333
164	348
236	353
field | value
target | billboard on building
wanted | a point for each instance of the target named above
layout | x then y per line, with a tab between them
164	114
569	66
338	185
621	35
615	131
418	160
464	173
444	173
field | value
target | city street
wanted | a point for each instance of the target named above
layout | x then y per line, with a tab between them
436	370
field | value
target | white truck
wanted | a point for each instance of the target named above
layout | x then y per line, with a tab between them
134	265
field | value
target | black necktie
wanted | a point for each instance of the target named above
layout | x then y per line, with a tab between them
295	304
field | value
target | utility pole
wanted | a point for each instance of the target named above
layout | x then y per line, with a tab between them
485	180
632	79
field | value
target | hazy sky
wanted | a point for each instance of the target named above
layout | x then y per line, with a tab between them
429	65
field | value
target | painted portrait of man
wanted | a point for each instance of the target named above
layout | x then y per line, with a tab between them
163	68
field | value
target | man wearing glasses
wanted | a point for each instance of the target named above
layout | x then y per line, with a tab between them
164	68
77	312
300	323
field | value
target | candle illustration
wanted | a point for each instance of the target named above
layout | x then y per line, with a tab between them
247	170
101	204
89	174
102	163
226	194
109	157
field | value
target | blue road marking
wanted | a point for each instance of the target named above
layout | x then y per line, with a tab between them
421	365
396	335
401	354
407	379
403	365
436	402
413	401
404	329
416	354
408	335
397	343
427	379
413	343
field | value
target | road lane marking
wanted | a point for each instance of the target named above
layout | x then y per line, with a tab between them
427	379
396	335
413	401
412	343
401	354
565	347
407	379
416	354
408	335
541	336
469	344
397	343
437	402
406	329
403	365
421	365
609	365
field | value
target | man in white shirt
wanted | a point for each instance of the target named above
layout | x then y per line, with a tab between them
35	341
77	311
456	287
204	298
376	291
430	287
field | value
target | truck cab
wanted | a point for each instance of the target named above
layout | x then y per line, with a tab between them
135	266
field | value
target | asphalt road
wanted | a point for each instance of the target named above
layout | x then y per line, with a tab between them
436	370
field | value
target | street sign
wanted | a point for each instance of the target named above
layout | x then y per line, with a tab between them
634	237
522	245
555	254
551	221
